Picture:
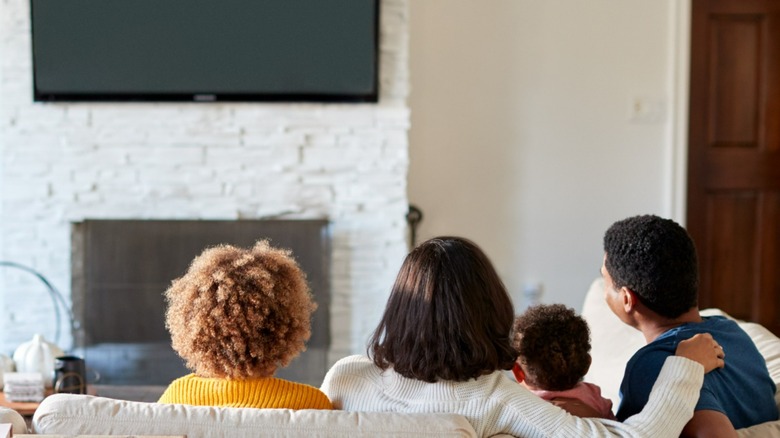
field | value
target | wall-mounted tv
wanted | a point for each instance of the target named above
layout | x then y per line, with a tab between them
205	50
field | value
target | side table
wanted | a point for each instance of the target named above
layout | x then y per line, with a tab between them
25	409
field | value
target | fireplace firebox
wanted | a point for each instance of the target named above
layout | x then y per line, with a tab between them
120	269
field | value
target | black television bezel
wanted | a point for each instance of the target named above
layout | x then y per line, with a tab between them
64	97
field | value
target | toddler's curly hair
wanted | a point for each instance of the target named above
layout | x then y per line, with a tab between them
553	343
239	313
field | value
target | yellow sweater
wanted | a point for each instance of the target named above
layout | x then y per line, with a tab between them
269	392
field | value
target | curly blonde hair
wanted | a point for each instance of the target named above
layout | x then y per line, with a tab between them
240	313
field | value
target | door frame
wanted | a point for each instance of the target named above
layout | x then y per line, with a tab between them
679	79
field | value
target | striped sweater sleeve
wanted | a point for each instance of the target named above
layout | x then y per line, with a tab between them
669	407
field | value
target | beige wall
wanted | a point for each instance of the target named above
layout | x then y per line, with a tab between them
525	136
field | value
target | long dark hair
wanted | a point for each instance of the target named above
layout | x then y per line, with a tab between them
448	317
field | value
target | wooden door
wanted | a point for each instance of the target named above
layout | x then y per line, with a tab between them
734	156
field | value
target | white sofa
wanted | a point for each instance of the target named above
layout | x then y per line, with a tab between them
613	344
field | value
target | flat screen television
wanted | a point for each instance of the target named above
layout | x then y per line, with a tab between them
205	50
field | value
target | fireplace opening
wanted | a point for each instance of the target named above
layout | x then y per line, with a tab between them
121	268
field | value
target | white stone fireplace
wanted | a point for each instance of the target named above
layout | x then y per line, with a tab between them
65	163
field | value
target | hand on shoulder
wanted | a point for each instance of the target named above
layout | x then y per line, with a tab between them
703	349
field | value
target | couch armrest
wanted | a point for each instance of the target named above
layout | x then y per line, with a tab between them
7	415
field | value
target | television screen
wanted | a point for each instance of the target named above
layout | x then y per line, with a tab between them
205	50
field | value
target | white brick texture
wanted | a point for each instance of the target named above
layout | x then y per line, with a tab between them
62	163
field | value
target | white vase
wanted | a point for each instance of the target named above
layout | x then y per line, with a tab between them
38	356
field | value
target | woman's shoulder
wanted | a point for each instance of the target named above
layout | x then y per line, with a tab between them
353	371
350	382
354	359
357	364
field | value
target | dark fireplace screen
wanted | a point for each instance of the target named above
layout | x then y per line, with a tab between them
122	267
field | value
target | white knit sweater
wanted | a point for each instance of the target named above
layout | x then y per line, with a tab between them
493	404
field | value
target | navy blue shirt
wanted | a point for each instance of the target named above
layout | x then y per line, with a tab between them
742	390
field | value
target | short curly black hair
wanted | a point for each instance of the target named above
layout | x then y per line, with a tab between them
554	346
656	259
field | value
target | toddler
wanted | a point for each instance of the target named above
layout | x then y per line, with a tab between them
553	346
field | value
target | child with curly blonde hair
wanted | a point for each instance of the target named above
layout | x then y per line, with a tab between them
553	344
235	317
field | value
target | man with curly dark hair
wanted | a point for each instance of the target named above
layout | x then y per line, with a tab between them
553	346
650	275
235	317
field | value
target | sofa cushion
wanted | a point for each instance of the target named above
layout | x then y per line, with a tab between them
85	414
612	343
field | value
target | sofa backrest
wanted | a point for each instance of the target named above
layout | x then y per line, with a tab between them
71	414
612	343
